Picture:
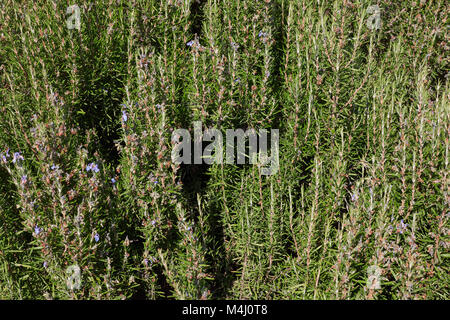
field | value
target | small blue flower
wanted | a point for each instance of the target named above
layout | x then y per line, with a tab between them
92	167
190	43
37	230
54	167
403	227
45	264
17	156
97	237
113	180
153	222
24	179
124	116
262	34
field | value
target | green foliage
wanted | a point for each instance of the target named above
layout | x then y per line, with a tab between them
87	179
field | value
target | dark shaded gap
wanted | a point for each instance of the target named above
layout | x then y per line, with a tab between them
221	263
278	50
197	15
101	87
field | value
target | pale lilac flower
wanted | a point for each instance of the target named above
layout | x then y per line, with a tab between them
262	34
113	180
190	43
24	179
124	116
17	156
92	167
403	227
97	237
37	230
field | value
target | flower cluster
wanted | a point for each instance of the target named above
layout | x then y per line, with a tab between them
92	167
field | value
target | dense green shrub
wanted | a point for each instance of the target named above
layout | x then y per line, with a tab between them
87	179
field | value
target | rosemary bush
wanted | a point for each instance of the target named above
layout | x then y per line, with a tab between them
358	90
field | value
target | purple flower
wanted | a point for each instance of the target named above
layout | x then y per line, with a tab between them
403	227
24	179
124	116
92	167
153	222
17	156
190	43
262	34
97	237
37	230
113	180
54	167
45	264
